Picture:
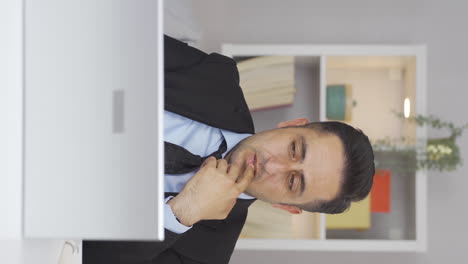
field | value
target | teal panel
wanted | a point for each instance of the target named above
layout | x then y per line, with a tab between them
336	102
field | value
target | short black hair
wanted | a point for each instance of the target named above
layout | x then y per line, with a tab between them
358	170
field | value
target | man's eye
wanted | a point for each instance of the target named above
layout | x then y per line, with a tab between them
291	182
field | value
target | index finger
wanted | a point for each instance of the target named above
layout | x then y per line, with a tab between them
210	162
233	172
246	179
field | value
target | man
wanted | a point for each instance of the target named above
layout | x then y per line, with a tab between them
318	167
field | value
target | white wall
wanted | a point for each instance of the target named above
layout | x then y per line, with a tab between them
179	21
439	24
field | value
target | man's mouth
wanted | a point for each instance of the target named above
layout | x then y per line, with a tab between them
254	161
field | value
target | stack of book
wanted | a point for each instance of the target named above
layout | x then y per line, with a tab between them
268	81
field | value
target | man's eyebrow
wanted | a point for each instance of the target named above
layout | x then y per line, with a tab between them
304	150
302	184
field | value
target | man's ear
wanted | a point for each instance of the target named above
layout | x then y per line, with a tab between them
288	208
295	122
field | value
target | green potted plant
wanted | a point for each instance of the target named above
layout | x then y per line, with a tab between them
405	154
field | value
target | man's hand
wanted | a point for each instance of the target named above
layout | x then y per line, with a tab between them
212	192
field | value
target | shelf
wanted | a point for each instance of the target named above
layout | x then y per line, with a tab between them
380	85
316	66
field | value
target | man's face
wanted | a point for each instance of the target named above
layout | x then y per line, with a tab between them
293	165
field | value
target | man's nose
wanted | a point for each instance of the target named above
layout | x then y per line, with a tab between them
279	165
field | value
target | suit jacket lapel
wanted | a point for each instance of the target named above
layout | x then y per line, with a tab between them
209	92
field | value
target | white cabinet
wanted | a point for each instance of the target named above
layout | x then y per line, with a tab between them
381	78
91	129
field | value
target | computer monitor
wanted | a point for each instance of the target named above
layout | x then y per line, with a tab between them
93	107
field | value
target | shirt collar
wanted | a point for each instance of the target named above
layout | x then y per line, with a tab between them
232	139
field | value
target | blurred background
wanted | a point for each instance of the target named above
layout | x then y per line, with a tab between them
438	25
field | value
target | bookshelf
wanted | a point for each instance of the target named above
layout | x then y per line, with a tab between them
380	77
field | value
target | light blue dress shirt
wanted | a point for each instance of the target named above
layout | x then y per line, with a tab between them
200	139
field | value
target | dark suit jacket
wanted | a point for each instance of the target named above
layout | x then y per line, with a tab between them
204	88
